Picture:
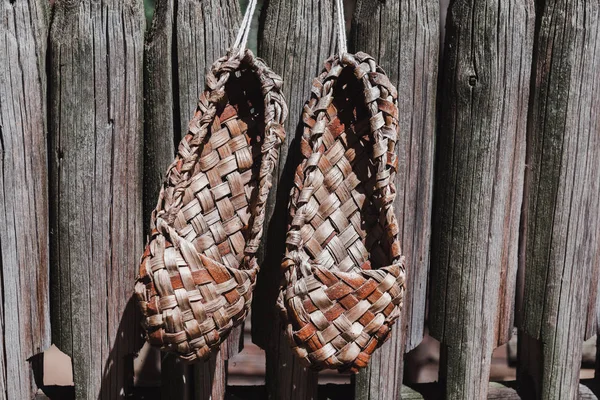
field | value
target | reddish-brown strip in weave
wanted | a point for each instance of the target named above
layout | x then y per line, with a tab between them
343	268
199	268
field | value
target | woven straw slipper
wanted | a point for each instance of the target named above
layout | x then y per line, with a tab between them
199	267
343	269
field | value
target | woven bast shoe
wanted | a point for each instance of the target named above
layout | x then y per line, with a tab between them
199	267
343	269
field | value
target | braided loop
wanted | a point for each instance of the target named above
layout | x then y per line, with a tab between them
199	267
343	269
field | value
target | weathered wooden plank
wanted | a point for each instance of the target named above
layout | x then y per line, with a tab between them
409	55
204	31
186	37
407	49
95	127
159	105
210	379
478	185
589	351
496	390
24	261
159	148
562	186
295	39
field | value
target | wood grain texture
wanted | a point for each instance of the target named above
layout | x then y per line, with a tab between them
204	30
295	38
160	116
210	379
24	261
159	105
159	149
496	391
96	114
561	217
408	51
478	186
185	38
409	55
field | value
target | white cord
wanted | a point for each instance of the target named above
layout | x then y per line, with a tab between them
242	37
341	28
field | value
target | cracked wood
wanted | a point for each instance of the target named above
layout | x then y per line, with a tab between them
408	52
478	186
96	115
24	260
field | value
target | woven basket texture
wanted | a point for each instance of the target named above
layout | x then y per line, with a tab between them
199	268
343	269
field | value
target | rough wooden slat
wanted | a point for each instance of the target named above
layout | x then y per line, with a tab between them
478	186
159	149
95	127
589	356
409	55
496	391
24	294
295	39
407	49
159	105
204	31
562	186
186	37
210	379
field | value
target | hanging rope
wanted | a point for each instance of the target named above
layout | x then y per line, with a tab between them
341	28
242	37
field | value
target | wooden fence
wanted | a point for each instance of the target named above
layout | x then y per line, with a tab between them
498	185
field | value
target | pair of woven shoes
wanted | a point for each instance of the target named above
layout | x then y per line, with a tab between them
343	270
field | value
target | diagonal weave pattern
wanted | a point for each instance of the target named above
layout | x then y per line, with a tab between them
343	269
199	267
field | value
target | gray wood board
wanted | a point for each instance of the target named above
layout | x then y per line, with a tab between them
96	128
561	215
408	53
409	56
24	258
185	38
480	154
